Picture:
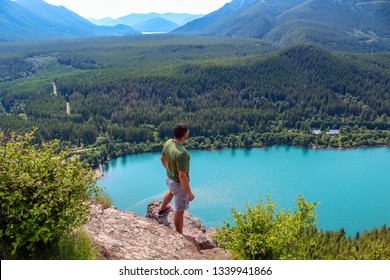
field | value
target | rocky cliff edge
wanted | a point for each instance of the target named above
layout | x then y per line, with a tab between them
123	235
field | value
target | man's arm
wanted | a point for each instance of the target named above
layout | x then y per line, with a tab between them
164	162
185	183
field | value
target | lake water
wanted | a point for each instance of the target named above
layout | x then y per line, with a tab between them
352	186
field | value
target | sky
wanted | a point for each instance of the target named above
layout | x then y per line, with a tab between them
116	8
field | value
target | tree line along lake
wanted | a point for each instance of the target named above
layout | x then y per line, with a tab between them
352	187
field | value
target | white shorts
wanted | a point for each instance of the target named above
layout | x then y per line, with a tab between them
181	198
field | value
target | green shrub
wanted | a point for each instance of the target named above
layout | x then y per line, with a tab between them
261	234
43	194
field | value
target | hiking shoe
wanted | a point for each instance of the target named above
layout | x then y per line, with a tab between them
162	214
189	237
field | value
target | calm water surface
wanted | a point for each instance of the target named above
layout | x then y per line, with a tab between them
352	186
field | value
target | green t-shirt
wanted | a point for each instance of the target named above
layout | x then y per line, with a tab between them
177	157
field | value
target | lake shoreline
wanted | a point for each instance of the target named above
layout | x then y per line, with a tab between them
99	171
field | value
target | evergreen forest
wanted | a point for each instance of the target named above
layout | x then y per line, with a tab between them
109	96
100	98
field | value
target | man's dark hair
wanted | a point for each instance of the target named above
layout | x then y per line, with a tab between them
180	129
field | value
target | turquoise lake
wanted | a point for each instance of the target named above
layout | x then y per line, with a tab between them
352	186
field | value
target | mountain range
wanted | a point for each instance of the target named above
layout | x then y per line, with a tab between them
152	22
336	24
36	19
348	25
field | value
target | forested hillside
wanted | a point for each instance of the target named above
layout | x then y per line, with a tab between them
349	25
124	94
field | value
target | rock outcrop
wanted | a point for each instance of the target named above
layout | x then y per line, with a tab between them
192	226
123	235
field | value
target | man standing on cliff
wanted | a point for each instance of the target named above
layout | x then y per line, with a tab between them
176	160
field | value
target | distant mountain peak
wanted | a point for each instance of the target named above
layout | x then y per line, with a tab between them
156	25
36	19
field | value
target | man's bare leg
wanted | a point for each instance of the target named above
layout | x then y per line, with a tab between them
167	198
178	218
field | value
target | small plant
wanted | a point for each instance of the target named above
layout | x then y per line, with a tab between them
103	198
76	246
43	194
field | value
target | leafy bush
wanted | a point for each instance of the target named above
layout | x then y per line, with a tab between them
43	194
261	234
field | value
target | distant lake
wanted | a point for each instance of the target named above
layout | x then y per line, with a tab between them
352	186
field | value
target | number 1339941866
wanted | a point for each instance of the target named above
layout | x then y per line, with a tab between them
249	271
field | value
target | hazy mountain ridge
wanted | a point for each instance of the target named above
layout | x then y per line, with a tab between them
139	19
348	25
156	25
343	24
35	19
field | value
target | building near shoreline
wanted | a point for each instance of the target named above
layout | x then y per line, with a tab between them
333	132
330	132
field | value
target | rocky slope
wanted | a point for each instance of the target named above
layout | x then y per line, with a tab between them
122	235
